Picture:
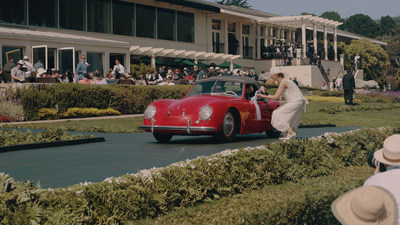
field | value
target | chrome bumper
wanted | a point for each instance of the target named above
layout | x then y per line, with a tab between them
187	128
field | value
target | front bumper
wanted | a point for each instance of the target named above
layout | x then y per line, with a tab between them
177	129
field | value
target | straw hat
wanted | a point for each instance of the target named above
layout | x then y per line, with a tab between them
367	205
40	71
390	153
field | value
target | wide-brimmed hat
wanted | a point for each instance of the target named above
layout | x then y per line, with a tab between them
390	153
26	58
367	205
20	62
40	71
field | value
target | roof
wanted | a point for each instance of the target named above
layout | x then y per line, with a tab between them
240	79
194	4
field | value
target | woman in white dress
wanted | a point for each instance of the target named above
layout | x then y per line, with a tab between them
286	118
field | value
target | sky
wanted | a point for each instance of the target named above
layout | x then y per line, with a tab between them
373	8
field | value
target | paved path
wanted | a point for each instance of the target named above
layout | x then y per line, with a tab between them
120	154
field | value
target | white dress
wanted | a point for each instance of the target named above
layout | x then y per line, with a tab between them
289	114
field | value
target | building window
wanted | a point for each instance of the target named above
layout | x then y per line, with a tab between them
145	21
14	15
38	16
96	61
99	16
123	18
73	14
231	27
166	24
246	29
216	24
185	26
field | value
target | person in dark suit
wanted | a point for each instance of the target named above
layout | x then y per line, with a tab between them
349	85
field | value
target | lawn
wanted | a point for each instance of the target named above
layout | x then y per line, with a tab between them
365	118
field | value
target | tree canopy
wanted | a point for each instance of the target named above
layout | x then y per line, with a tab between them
374	59
332	15
240	3
363	25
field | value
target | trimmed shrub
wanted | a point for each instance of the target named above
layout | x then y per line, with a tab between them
306	202
150	193
47	114
89	112
357	108
128	99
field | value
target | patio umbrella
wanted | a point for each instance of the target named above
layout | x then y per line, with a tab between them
226	65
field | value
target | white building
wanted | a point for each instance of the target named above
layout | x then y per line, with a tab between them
59	31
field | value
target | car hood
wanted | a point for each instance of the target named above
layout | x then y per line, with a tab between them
193	103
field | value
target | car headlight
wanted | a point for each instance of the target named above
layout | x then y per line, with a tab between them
205	113
150	112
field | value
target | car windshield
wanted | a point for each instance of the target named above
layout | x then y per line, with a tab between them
217	88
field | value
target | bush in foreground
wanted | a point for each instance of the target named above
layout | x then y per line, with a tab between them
150	193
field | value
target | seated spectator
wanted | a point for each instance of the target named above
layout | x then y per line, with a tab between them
86	79
141	80
68	77
49	73
388	175
118	69
57	75
189	77
18	72
40	72
168	81
324	86
99	79
154	78
366	205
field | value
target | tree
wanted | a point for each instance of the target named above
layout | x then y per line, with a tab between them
387	24
240	3
374	59
306	13
363	25
332	15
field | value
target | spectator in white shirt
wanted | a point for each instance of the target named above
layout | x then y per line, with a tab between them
29	66
118	69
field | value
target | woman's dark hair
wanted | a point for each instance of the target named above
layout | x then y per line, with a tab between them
69	76
280	75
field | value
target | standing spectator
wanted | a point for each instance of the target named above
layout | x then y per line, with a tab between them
7	69
118	69
201	75
311	54
295	81
18	73
366	206
29	66
356	62
38	64
349	85
389	179
81	68
339	84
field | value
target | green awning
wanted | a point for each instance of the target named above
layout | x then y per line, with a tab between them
226	65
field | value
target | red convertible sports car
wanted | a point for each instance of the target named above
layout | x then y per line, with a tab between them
219	106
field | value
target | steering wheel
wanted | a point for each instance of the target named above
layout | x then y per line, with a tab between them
231	92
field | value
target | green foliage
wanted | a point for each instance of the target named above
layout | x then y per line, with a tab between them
47	114
11	110
150	193
13	137
89	112
240	3
362	107
387	24
306	202
127	99
363	25
332	15
140	69
374	59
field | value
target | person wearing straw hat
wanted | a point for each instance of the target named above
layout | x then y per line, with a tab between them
367	205
389	156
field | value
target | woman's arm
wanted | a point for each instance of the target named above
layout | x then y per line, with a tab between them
278	92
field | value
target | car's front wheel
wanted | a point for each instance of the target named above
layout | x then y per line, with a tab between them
161	137
228	130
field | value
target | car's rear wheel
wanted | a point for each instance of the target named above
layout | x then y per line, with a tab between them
273	133
228	130
161	137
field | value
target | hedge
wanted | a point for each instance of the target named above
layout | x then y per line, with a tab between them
157	191
306	202
127	99
362	107
47	114
13	137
